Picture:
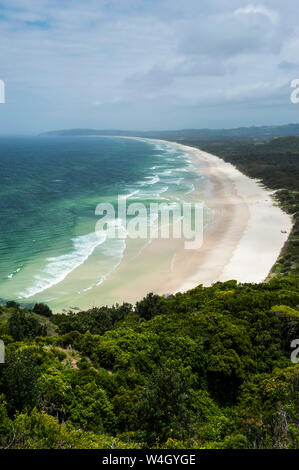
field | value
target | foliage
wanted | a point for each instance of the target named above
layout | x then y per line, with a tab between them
22	325
42	309
163	409
19	379
209	368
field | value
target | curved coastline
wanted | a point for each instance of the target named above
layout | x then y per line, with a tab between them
246	237
242	241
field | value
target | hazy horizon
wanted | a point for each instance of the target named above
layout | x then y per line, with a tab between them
46	131
147	65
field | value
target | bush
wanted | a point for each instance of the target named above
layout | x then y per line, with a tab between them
42	309
23	325
12	304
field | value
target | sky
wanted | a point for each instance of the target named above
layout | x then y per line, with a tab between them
147	64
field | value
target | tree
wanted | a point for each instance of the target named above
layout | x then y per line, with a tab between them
5	424
12	304
91	409
20	380
42	309
149	306
163	408
22	325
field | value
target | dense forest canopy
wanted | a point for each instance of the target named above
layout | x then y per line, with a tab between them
260	132
210	368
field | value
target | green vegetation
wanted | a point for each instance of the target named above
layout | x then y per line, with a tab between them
209	368
260	132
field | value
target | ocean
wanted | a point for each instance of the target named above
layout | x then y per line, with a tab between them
49	190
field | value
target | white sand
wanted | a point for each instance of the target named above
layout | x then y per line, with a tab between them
245	238
266	231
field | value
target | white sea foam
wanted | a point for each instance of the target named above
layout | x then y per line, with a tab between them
177	181
156	167
57	268
127	196
133	193
11	275
166	173
117	252
153	195
114	250
152	180
191	189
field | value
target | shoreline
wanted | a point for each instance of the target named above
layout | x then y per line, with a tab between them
246	236
242	242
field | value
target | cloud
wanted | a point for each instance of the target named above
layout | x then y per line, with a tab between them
161	77
288	66
272	15
231	34
104	63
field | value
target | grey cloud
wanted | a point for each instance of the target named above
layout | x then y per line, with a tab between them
104	63
161	77
232	34
288	66
155	79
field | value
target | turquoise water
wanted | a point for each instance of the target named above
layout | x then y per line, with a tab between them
49	189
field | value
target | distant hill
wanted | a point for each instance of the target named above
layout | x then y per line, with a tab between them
259	133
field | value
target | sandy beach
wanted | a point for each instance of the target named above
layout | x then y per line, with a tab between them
242	241
248	232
